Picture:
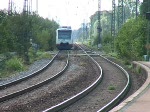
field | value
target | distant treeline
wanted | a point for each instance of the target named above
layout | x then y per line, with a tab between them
18	32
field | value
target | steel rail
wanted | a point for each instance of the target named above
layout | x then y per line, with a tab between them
122	94
12	95
28	76
78	96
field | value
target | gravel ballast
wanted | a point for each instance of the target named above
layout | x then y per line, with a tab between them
77	77
102	94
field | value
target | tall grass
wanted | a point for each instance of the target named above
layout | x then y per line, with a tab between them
14	64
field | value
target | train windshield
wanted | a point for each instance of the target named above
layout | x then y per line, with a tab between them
64	34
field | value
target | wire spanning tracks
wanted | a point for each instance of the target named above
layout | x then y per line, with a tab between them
42	78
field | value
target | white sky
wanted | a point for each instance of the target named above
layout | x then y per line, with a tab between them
65	12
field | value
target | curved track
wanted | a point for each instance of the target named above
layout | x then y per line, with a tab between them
107	105
37	81
11	83
80	94
121	94
68	90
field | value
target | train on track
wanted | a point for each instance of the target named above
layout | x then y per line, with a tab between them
64	40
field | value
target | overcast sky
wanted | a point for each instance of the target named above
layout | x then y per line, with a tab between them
66	12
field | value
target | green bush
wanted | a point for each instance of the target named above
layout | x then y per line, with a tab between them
32	55
107	48
14	64
44	55
131	39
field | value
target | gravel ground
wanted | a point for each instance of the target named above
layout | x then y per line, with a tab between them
77	77
113	77
136	78
61	88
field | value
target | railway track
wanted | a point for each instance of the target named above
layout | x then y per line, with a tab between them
81	79
34	80
18	80
84	91
94	101
58	90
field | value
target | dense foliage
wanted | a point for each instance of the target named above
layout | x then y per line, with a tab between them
107	43
19	32
131	40
105	25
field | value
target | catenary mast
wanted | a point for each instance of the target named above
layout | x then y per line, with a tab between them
10	7
120	14
99	23
113	20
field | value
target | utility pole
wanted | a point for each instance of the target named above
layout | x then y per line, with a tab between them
120	14
37	6
134	5
148	30
30	6
10	7
136	8
113	20
26	33
99	29
83	31
25	7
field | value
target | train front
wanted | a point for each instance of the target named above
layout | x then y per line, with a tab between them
64	39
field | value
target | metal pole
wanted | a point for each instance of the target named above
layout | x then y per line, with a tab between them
10	7
136	8
99	24
120	14
148	38
113	19
37	6
26	30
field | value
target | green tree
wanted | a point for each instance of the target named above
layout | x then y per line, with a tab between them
105	25
131	40
17	30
